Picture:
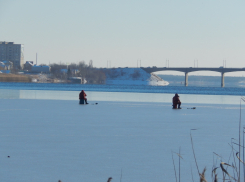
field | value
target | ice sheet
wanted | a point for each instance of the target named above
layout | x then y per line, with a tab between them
48	140
117	96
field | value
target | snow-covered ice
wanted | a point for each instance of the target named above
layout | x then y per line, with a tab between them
48	140
95	96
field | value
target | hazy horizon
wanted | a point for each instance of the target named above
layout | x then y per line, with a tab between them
123	32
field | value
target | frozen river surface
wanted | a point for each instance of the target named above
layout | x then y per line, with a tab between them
48	140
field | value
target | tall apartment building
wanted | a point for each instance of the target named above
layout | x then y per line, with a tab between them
12	52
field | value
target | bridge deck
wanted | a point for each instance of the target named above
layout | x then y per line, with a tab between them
191	69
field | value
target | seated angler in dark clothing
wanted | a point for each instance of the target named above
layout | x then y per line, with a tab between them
82	97
176	102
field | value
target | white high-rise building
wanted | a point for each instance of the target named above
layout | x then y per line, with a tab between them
12	52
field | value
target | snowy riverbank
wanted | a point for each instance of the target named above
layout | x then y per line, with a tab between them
133	76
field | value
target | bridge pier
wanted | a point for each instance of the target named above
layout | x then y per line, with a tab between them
187	70
186	79
222	79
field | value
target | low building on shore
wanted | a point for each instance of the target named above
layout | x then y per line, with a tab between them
40	69
78	80
5	71
6	65
28	65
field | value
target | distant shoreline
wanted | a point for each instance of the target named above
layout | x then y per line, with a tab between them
14	78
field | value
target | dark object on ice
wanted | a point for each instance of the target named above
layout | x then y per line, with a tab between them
82	97
81	101
109	179
8	156
176	102
96	103
192	108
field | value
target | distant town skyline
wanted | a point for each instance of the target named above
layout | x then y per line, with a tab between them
186	33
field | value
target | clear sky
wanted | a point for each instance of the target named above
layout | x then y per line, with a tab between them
124	31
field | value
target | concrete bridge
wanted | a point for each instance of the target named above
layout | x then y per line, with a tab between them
191	69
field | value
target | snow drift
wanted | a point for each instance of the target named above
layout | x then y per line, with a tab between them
133	76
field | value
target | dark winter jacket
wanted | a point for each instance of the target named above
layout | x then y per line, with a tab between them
82	95
176	100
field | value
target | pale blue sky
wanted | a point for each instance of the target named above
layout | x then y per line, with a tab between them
124	31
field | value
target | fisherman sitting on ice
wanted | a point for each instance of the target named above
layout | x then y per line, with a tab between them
82	97
176	102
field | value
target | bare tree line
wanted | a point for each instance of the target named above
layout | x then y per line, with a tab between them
86	71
